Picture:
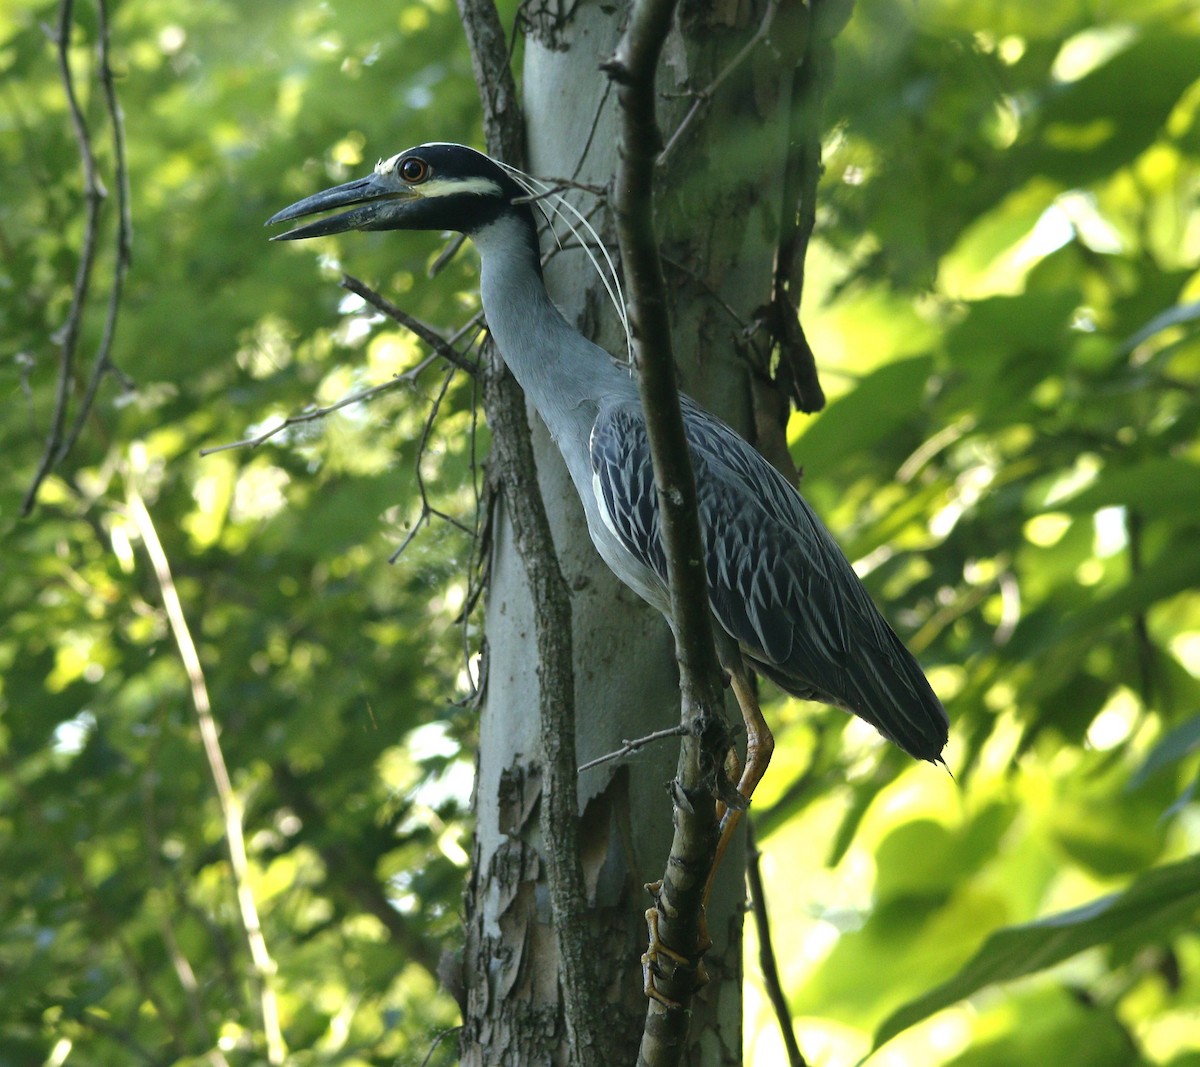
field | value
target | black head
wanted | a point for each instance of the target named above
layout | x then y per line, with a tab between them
430	187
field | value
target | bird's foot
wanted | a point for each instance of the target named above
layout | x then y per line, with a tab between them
659	955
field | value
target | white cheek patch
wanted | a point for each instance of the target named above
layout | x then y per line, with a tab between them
455	187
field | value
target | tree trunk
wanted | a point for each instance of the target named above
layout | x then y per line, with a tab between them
720	207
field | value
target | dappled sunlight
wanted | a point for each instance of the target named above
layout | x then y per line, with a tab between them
1002	297
1050	720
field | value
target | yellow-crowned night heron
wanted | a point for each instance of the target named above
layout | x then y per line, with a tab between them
783	595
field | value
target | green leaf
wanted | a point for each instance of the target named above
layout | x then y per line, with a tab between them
881	403
1048	1025
1160	486
1158	903
1173	746
1173	316
1110	115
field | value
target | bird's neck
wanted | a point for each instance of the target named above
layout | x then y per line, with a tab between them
563	373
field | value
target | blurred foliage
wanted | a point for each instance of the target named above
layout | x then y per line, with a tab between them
1003	295
333	675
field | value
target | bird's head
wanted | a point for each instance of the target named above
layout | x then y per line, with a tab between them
430	187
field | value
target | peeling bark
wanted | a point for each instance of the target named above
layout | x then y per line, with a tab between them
720	200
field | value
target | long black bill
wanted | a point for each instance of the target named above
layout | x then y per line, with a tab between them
372	197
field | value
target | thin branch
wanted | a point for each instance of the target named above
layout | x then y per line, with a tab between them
703	96
67	337
515	464
446	348
629	747
443	346
633	67
428	511
446	254
592	128
766	952
557	185
437	1040
312	414
679	898
703	284
231	808
103	363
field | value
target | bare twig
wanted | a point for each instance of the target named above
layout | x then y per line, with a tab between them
595	125
67	337
766	953
231	808
709	291
437	1040
443	346
312	414
428	511
557	185
679	898
446	254
701	97
629	747
103	363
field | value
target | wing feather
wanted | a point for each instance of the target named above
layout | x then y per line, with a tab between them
778	582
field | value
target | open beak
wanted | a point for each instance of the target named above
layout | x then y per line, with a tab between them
375	205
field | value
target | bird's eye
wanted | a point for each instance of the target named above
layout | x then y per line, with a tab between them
414	170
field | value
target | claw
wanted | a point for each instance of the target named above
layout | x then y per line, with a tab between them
656	950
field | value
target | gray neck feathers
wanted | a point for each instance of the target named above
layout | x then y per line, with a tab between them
563	373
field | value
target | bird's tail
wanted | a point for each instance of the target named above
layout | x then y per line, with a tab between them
885	686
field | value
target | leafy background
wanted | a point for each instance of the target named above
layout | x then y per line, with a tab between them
1002	294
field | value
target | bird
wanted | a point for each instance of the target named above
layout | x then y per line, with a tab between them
785	600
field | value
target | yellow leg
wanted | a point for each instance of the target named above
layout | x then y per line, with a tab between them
760	744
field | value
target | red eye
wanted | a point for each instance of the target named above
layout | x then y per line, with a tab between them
414	170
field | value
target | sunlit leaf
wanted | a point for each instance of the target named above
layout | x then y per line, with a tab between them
1155	905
